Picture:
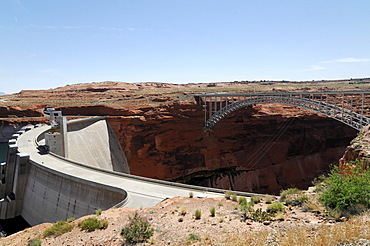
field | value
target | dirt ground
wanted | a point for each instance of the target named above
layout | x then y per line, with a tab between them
173	228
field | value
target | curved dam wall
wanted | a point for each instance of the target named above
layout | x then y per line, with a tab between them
51	196
44	187
33	188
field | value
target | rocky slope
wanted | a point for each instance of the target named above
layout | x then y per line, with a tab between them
174	223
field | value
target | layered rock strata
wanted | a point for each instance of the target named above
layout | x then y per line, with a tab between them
262	148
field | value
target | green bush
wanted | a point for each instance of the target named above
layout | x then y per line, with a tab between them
198	214
289	191
58	228
288	202
91	224
234	197
242	200
346	189
275	207
255	199
268	199
228	194
245	208
69	220
299	201
212	210
192	238
98	211
34	242
137	230
259	215
191	194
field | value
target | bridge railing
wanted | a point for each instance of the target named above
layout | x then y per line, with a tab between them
349	107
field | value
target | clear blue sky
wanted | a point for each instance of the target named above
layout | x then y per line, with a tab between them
50	43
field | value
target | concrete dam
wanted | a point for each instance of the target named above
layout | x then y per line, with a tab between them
82	170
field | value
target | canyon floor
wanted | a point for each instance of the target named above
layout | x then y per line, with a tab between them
294	227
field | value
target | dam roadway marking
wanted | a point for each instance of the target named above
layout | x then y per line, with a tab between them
135	191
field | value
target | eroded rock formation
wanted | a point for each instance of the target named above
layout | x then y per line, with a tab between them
263	148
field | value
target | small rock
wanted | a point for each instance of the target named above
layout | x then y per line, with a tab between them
249	223
331	221
267	222
307	221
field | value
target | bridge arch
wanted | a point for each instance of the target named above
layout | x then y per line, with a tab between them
340	113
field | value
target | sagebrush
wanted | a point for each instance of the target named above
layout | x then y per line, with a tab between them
137	230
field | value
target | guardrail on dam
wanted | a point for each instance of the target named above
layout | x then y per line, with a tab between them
45	187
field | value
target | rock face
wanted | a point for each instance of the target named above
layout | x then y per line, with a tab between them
263	148
359	148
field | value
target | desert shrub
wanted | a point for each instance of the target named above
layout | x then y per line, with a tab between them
69	220
299	200
91	224
197	214
268	199
34	242
344	190
275	207
98	211
279	216
183	211
228	194
255	199
289	191
312	206
234	197
58	228
137	230
288	202
245	208
259	215
242	200
192	238
212	210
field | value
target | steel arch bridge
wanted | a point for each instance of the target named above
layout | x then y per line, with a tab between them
349	107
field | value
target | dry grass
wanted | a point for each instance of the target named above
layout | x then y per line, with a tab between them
306	235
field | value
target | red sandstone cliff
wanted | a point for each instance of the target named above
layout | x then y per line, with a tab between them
263	148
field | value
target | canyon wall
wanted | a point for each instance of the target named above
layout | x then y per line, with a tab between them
262	148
